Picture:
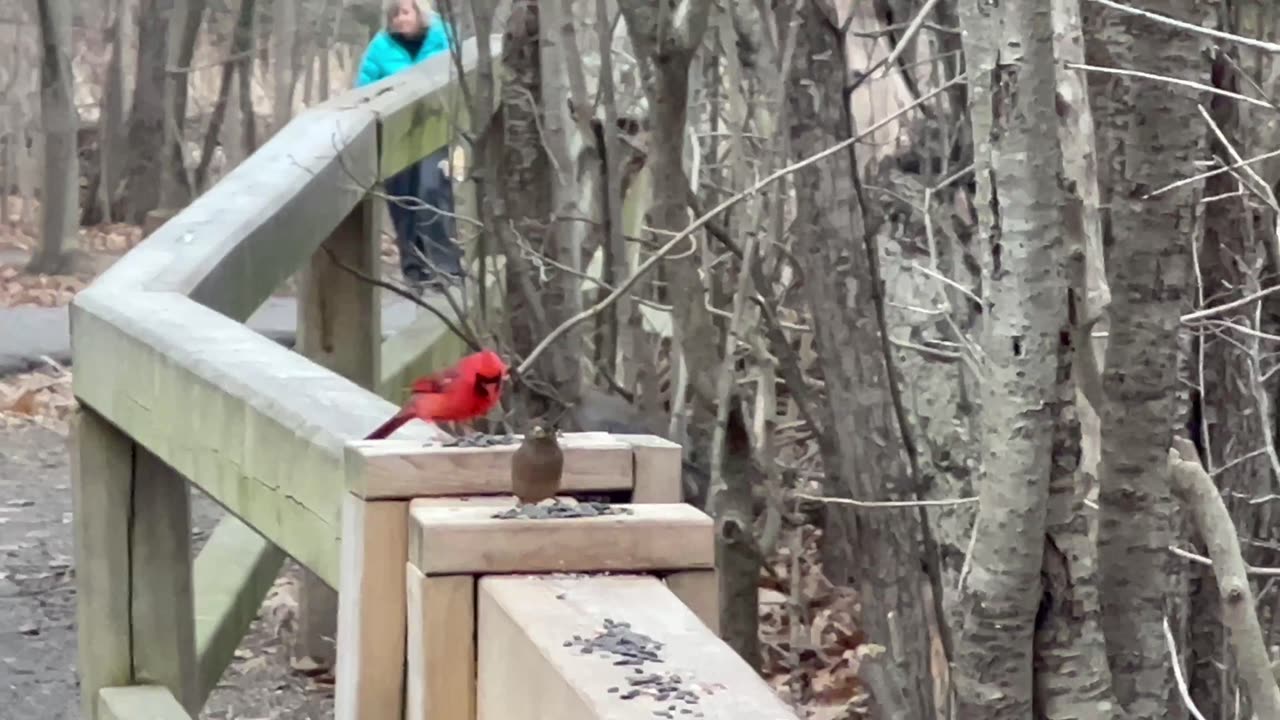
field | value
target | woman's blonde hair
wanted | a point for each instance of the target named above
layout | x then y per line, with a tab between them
422	6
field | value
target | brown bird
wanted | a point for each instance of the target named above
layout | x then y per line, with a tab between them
537	465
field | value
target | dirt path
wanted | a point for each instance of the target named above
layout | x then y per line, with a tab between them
37	603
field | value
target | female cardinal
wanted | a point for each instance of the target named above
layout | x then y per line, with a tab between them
463	392
537	465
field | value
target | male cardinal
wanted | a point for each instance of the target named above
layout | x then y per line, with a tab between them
536	466
463	392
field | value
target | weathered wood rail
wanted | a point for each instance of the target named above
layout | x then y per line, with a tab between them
175	390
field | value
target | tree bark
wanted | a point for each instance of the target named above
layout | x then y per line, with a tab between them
241	40
143	170
102	177
284	75
184	27
522	203
1151	142
665	39
1029	435
878	549
60	209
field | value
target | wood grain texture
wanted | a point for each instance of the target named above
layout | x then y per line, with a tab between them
267	439
101	487
447	540
232	246
369	683
525	670
657	469
340	327
700	591
162	606
139	702
441	665
377	469
231	575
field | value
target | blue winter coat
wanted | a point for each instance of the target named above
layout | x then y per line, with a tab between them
385	56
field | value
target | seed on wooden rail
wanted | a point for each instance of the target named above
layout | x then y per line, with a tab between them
479	440
559	509
617	638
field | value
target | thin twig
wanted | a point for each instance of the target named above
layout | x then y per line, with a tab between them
1177	672
697	224
1172	80
466	337
886	503
1189	27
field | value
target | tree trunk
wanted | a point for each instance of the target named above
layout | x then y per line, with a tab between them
284	75
1234	412
562	293
111	141
1021	584
61	185
184	26
522	204
143	170
665	51
1150	143
241	40
878	549
248	116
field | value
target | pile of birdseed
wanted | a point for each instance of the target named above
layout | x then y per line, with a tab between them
479	440
634	649
560	509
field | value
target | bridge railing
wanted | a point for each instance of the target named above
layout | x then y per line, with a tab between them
175	390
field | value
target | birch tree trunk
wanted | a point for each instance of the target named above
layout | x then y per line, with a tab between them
1022	568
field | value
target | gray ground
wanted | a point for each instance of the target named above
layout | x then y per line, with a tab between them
37	575
37	604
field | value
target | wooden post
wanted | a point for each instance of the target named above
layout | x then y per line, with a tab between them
339	327
163	612
372	619
134	609
101	487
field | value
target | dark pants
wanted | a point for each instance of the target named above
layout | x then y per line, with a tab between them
424	232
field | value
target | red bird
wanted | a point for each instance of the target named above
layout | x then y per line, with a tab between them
465	391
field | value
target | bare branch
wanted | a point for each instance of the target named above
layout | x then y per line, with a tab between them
1196	489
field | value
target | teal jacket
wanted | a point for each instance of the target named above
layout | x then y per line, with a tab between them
385	56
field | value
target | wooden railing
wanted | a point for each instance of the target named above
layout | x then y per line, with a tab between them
174	389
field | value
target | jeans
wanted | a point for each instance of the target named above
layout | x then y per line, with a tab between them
424	232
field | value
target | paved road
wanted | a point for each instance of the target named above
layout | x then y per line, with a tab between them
28	333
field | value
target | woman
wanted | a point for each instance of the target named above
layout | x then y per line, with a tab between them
428	253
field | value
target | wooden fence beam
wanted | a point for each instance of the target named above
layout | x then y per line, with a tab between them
532	662
139	702
441	648
101	488
134	610
371	610
467	539
232	574
163	610
404	469
339	327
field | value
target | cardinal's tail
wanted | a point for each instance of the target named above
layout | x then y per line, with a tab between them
389	426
